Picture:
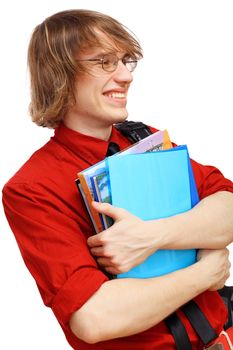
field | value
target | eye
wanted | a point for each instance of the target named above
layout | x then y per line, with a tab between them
128	59
109	61
130	62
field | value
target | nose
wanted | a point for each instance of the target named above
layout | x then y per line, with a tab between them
122	74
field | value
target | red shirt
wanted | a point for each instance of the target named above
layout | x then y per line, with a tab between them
50	224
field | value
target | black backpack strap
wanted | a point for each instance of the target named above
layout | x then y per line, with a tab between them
112	149
134	131
226	294
199	322
178	331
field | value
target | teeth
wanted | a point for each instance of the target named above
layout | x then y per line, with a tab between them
117	95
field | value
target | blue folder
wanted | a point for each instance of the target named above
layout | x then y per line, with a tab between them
155	185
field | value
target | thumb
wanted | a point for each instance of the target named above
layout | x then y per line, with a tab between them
105	208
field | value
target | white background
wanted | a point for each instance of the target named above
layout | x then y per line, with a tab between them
184	84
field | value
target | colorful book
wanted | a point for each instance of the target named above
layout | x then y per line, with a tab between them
152	186
100	184
86	204
157	141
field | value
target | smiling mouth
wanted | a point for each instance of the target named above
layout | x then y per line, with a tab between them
116	95
119	97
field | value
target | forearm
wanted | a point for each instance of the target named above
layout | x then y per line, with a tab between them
124	307
208	225
131	240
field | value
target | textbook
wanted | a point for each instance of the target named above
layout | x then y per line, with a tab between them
86	178
153	186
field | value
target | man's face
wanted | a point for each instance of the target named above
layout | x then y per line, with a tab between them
101	96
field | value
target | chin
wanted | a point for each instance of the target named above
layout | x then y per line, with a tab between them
120	120
120	117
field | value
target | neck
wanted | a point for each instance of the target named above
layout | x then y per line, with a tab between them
102	132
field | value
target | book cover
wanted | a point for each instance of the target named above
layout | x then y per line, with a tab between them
152	186
154	142
88	193
100	187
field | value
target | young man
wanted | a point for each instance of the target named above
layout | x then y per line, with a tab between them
81	65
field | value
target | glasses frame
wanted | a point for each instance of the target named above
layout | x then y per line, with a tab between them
130	63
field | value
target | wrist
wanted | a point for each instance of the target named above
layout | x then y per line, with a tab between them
203	279
172	232
157	234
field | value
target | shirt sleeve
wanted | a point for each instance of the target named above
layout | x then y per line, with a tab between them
53	248
209	180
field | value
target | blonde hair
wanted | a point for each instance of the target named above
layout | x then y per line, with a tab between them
52	58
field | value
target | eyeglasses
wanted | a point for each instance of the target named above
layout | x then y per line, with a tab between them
109	62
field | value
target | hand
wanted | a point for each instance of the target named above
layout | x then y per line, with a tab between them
123	245
216	265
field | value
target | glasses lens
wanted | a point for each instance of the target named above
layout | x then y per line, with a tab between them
109	62
131	65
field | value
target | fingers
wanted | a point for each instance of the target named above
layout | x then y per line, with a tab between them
114	270
100	252
95	241
221	283
215	266
203	253
109	210
104	208
97	251
105	262
99	240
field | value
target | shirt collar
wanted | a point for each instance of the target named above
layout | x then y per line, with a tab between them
88	147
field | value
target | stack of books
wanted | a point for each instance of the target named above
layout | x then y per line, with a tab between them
151	180
93	182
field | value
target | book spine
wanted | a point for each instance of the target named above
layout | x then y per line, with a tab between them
86	204
94	213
